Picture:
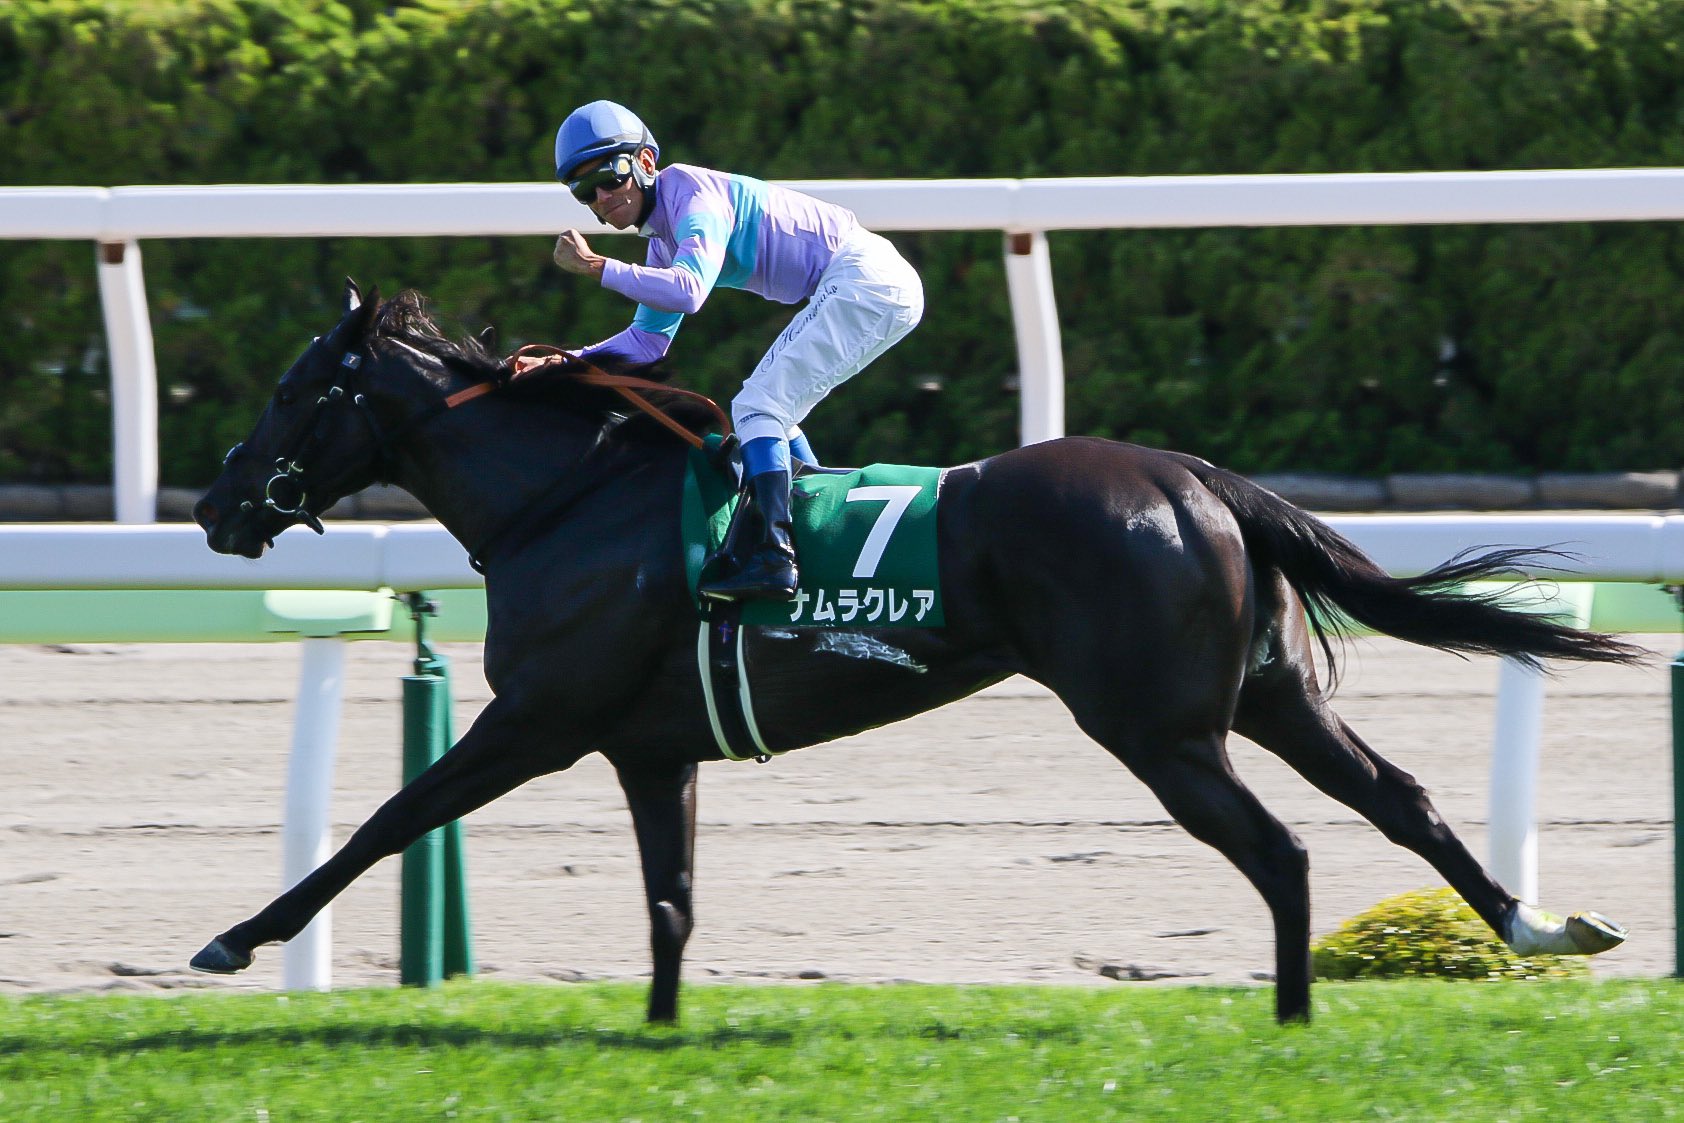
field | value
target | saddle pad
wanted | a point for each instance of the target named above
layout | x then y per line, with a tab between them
865	540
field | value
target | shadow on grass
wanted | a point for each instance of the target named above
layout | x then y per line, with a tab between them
648	1039
409	1037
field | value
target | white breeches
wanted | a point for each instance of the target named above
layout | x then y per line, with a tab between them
868	299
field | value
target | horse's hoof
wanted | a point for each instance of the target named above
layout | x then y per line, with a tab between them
1534	932
218	958
1591	932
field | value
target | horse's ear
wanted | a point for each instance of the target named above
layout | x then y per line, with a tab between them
488	339
359	314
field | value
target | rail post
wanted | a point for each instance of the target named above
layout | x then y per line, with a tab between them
321	620
1040	354
1513	834
134	383
434	936
306	837
1678	803
1515	744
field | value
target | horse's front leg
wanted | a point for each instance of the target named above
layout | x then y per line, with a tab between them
502	750
662	798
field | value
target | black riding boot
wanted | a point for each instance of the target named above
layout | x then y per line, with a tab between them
741	536
766	569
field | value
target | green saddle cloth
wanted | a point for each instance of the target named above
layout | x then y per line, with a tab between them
865	540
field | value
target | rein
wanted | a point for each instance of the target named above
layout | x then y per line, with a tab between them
285	491
569	487
537	356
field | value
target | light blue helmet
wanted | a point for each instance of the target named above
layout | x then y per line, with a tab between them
599	129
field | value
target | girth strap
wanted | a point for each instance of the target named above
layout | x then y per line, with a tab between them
725	685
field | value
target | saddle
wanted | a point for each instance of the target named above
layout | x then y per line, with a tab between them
867	540
866	536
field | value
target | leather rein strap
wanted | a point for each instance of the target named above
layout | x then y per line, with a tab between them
569	486
534	357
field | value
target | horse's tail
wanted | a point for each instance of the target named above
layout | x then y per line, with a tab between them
1337	581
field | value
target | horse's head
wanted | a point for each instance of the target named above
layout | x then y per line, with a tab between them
316	442
349	410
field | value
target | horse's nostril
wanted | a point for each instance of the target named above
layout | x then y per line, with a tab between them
205	514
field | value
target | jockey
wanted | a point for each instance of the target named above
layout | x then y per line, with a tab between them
710	229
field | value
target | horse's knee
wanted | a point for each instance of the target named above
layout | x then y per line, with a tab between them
1409	819
1295	857
670	925
1287	870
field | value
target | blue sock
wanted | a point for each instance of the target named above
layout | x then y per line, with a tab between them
765	454
802	449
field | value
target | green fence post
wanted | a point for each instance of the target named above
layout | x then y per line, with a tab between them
1678	805
458	930
434	927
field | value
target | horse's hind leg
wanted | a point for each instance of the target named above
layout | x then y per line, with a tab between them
1188	770
662	799
1281	708
1326	752
1160	702
497	754
1192	778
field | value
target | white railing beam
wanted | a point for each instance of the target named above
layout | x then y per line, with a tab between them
1077	203
1648	549
1353	199
121	215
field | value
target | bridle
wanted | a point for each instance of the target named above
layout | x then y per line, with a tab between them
286	491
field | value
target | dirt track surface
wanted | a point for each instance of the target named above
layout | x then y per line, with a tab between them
988	841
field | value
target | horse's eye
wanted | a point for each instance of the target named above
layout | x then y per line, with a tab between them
228	457
283	396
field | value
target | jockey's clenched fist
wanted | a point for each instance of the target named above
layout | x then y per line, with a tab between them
574	254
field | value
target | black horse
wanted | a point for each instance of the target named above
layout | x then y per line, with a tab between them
1166	601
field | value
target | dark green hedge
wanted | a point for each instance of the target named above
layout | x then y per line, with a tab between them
1356	350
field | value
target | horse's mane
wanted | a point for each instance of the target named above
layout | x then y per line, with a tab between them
406	319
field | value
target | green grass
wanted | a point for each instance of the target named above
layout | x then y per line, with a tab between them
1422	1050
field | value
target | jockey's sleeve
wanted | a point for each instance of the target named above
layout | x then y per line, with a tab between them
635	344
699	239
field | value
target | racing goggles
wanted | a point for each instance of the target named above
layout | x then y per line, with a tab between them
611	175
